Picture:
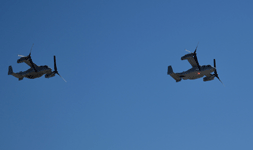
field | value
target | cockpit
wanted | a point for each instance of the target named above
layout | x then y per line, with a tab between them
46	67
207	66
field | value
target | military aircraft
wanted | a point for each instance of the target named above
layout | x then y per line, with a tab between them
196	71
35	71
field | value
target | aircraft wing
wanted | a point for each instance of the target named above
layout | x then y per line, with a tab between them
29	63
191	60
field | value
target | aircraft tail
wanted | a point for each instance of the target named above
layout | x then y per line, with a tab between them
10	72
173	75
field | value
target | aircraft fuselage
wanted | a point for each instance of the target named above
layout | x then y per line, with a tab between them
195	73
31	73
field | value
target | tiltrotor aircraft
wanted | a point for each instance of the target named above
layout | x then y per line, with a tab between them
196	71
35	71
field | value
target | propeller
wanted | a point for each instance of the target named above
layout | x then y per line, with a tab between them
188	50
29	58
21	55
55	69
215	71
195	56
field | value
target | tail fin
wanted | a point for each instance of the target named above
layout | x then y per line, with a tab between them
170	70
10	72
17	75
173	75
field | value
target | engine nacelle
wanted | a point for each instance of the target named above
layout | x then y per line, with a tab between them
186	56
52	74
22	59
209	78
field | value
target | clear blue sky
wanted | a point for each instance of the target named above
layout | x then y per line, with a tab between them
114	55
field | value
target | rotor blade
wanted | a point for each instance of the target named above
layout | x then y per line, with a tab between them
214	64
195	56
21	56
196	48
219	79
55	68
215	72
31	50
61	77
188	50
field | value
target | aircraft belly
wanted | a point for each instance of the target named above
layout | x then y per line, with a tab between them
34	75
192	76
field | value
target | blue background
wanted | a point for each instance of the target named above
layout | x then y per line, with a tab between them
114	56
